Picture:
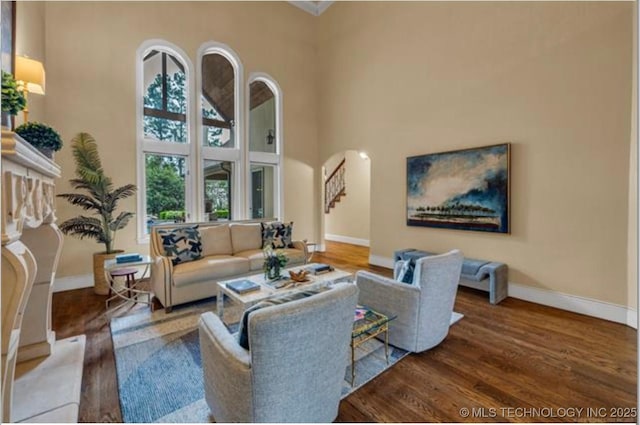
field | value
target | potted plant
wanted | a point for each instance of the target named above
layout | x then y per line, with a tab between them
41	136
101	199
13	100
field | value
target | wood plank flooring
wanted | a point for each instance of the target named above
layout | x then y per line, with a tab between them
515	362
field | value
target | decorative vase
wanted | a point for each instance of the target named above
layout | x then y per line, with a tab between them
48	152
6	120
100	280
273	272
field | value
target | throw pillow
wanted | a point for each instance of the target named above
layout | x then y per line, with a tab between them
406	272
243	332
182	244
277	235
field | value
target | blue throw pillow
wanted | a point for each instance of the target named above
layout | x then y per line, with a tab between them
182	244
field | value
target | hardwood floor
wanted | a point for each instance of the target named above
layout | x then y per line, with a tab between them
514	362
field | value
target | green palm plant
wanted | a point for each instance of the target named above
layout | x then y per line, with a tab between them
99	197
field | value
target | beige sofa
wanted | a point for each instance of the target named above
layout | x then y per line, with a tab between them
229	250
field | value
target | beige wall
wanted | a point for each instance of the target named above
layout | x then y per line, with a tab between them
30	28
91	86
554	79
350	217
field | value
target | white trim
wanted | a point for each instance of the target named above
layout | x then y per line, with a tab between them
69	283
316	9
588	306
346	239
632	317
378	260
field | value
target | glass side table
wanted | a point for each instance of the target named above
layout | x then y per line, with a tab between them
131	292
367	324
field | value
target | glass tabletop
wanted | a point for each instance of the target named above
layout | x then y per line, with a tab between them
366	320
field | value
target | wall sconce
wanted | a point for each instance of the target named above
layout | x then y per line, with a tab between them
271	136
30	73
363	155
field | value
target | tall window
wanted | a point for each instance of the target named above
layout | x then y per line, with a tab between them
221	136
164	149
264	147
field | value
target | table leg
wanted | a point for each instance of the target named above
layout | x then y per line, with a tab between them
386	343
353	361
220	304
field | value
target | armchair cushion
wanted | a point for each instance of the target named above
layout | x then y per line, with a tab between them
277	234
182	244
243	332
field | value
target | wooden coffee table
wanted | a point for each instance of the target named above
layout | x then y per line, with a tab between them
267	290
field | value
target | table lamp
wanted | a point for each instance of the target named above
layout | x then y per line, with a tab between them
30	73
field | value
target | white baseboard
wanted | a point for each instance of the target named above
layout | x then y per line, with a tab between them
346	239
594	308
378	260
632	318
68	283
588	306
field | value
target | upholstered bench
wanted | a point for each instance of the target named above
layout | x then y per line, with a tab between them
479	274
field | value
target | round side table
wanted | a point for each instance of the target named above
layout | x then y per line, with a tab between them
129	273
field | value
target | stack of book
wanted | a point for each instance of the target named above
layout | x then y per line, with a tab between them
128	258
243	286
319	268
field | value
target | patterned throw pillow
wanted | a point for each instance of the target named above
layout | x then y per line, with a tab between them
277	234
182	244
243	332
406	272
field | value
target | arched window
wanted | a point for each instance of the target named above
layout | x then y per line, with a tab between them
221	139
164	135
265	146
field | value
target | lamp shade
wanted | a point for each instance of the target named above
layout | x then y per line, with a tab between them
31	73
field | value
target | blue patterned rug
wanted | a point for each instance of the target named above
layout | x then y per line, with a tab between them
159	367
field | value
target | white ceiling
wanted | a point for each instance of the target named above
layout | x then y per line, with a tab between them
314	7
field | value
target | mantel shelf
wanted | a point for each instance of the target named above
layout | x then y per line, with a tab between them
18	150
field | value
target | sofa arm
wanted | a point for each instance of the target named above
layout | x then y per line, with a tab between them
498	281
302	245
162	279
227	371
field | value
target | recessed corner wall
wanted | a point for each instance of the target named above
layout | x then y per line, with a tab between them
552	78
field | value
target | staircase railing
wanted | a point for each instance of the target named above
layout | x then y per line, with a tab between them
334	187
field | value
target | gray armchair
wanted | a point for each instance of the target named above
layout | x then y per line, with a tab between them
295	367
424	308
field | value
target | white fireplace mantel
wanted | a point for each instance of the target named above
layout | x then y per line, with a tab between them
31	247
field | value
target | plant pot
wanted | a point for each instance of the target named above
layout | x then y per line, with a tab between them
48	152
6	120
100	281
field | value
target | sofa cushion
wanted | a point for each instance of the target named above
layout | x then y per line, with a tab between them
245	236
212	268
216	240
277	234
243	332
182	244
256	257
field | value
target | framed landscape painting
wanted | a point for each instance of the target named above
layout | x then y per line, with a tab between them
465	189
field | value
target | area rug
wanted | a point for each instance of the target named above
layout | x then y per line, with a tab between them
159	367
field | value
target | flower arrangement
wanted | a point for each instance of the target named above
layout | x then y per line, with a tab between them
273	262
